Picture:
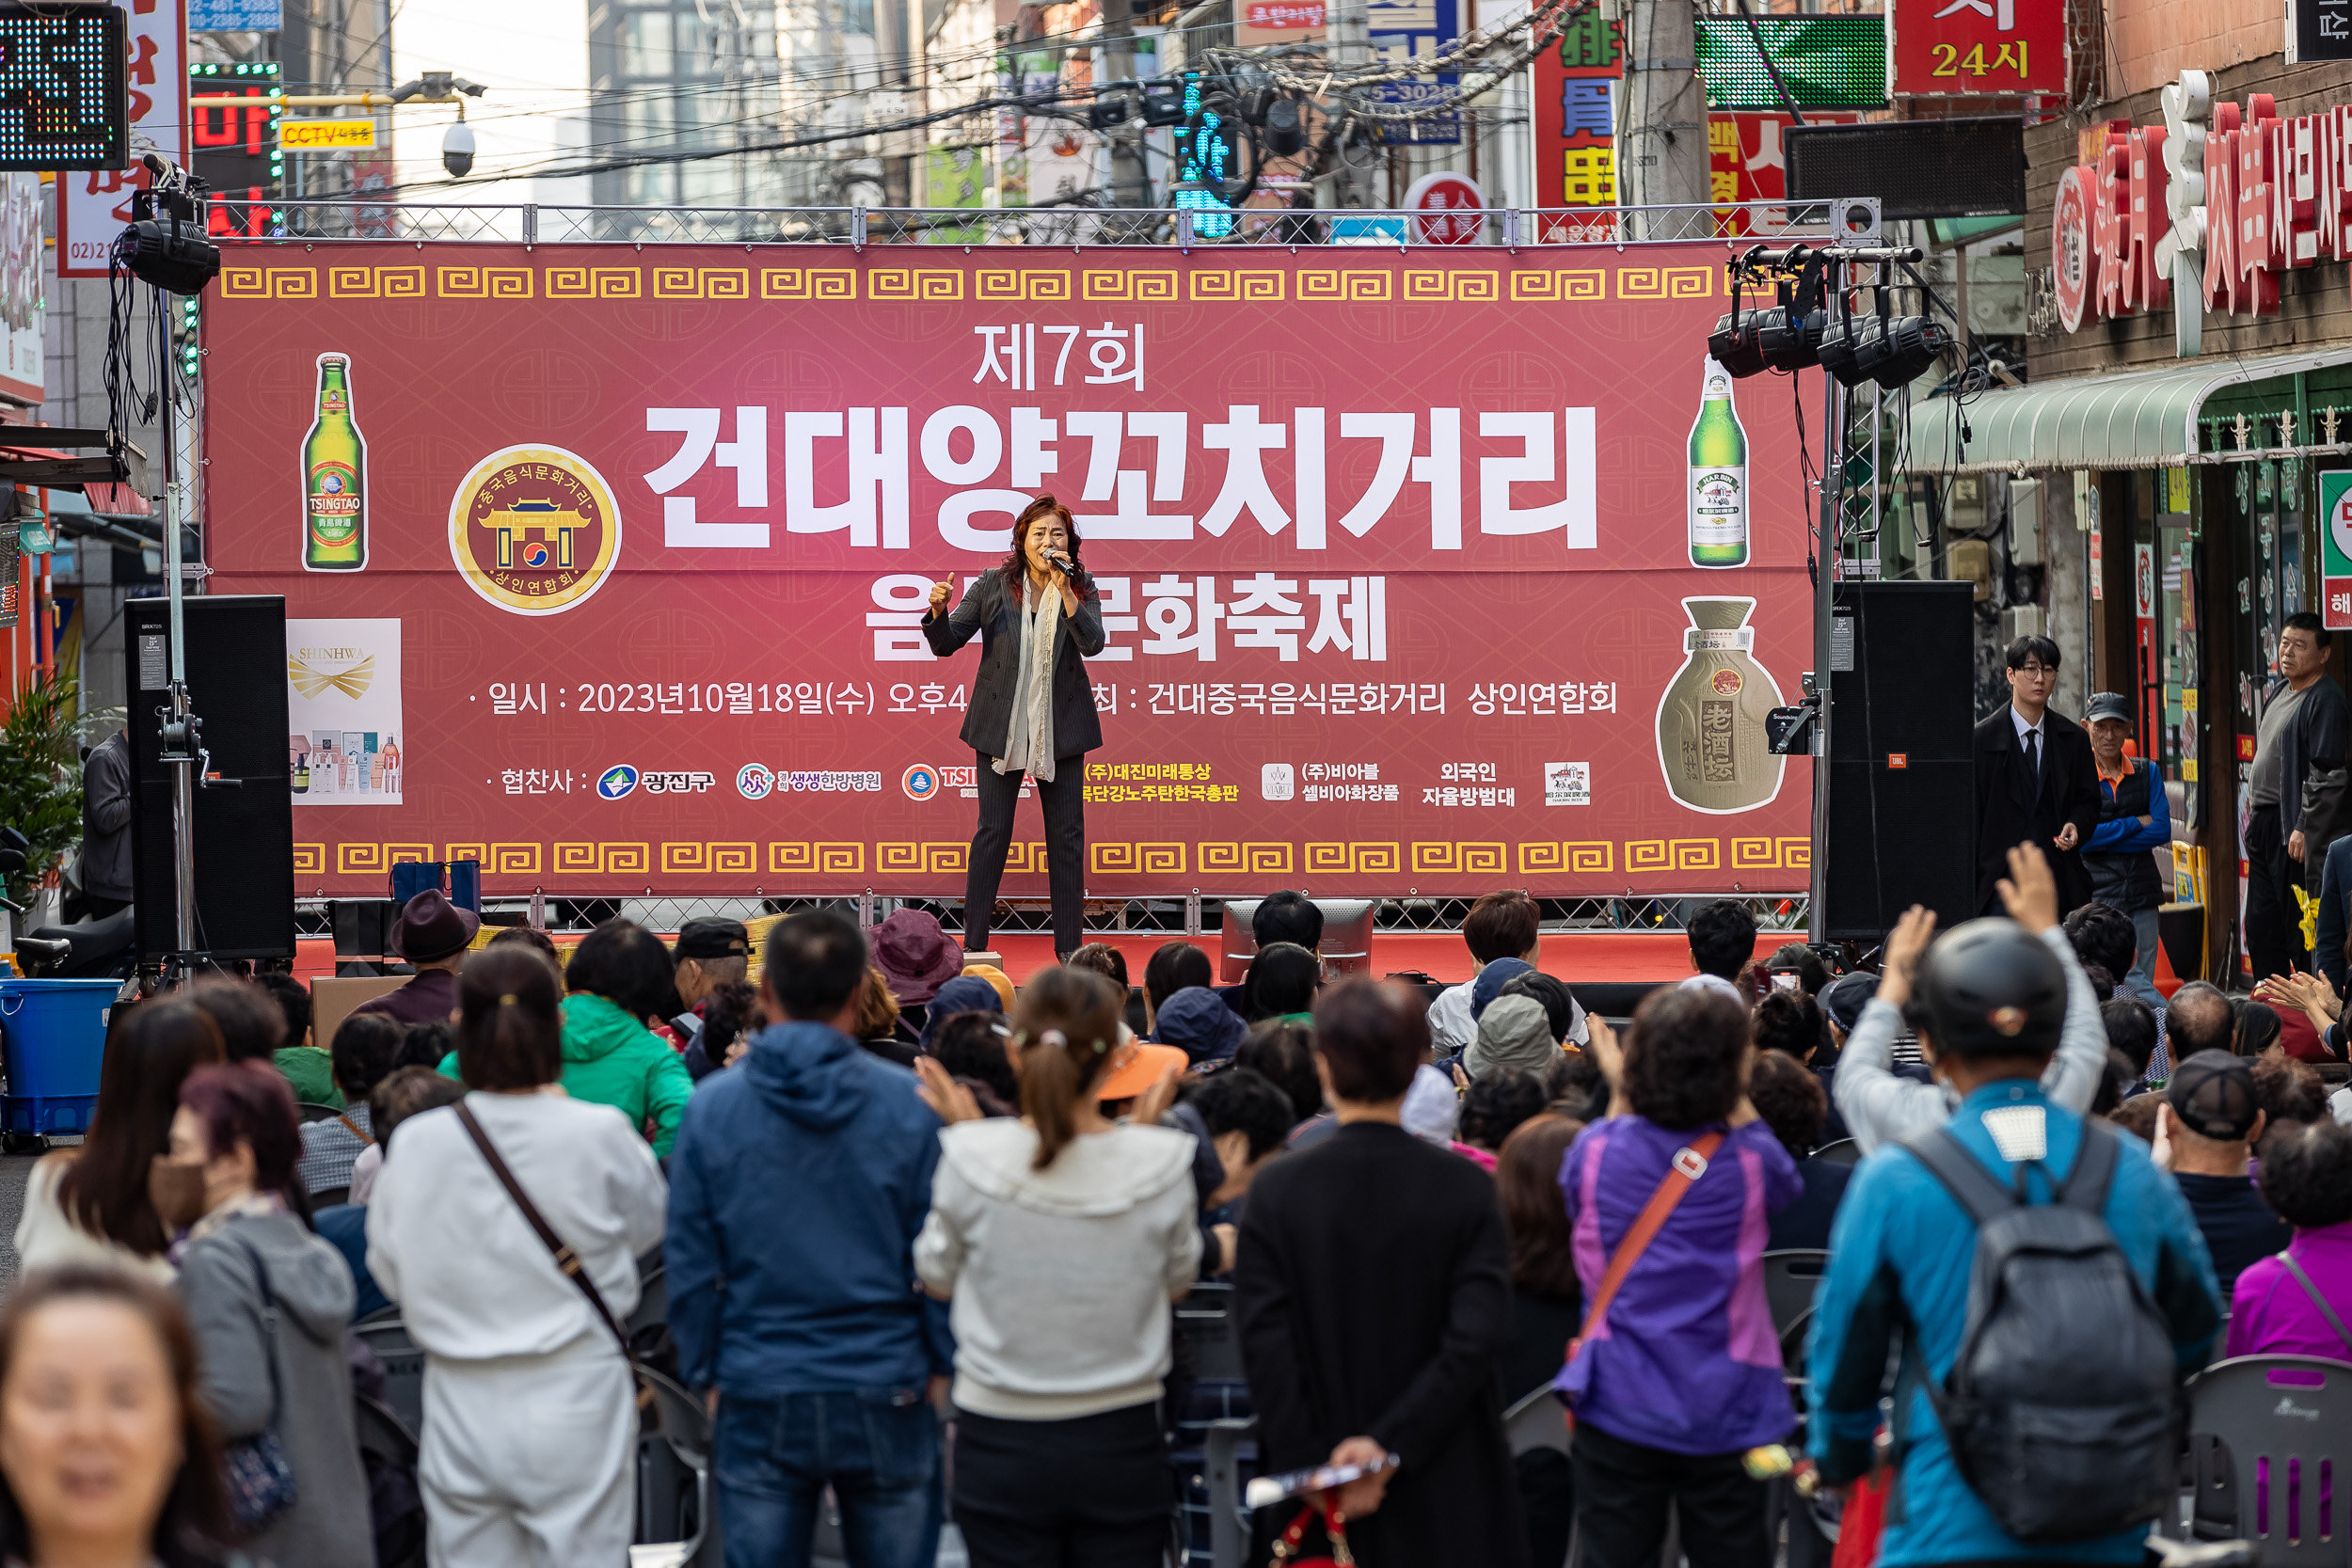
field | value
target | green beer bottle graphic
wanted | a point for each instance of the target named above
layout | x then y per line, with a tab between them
1719	478
334	474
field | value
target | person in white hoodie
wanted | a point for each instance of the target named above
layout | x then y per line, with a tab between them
529	1403
1060	1239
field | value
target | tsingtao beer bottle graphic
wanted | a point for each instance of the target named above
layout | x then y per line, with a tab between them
1718	477
334	477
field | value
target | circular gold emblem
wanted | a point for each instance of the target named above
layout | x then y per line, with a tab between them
533	530
1727	683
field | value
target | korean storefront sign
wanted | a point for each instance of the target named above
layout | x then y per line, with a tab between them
1977	47
1576	84
2335	568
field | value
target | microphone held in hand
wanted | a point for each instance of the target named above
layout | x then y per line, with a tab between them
1069	568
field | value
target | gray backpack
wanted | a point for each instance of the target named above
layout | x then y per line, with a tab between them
2063	1408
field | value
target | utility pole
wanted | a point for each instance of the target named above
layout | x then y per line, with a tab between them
1663	147
1131	183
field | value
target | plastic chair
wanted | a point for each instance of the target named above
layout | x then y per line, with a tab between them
403	1367
648	1325
2334	1074
312	1110
1228	1524
2282	1423
328	1197
678	1507
1205	1319
383	1437
1845	1151
1537	1420
1790	1279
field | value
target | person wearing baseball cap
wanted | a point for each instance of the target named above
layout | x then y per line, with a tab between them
2134	820
2206	1132
712	952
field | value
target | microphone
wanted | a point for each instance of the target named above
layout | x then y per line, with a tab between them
1069	568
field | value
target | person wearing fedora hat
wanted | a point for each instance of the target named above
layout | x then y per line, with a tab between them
433	934
2135	819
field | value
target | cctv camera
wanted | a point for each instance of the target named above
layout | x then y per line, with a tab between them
457	150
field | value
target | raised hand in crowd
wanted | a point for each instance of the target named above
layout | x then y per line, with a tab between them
2309	995
1912	933
949	1100
2029	892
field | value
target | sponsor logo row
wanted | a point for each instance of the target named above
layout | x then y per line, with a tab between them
1565	784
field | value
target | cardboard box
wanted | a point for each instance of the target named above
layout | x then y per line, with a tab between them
332	999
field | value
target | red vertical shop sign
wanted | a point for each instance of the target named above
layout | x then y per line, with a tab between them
1979	48
1576	83
1746	160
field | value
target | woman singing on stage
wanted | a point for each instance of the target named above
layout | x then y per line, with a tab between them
1032	709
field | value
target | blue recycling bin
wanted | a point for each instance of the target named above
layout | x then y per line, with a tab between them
52	1039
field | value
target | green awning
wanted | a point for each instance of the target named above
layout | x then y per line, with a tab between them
2130	419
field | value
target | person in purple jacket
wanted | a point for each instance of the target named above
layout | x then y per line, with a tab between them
1682	1374
2298	1302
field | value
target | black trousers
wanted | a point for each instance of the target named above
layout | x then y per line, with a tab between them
1064	804
2274	922
1093	1491
1623	1491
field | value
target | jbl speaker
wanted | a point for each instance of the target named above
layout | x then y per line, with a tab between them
244	817
1902	810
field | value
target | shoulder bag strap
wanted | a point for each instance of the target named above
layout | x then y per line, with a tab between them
355	1133
2086	1184
269	1322
1971	1185
2318	1300
566	1261
1689	1164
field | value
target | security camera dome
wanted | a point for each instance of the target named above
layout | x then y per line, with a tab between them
457	150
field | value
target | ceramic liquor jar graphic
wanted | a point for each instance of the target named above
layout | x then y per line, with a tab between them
1710	718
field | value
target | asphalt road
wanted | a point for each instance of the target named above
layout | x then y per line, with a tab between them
14	1169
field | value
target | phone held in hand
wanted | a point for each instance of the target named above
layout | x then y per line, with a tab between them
1315	1477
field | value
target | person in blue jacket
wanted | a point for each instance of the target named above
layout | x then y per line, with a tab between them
2135	819
1902	1249
800	1181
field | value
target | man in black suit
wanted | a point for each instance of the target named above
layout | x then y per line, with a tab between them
2035	779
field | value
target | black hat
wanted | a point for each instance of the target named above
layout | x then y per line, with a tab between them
432	928
713	938
2107	704
2213	1094
1992	988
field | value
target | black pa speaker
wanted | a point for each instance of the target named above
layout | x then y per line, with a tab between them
1917	168
1902	811
244	818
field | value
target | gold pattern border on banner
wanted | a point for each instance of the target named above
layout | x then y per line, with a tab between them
821	859
1138	860
807	283
1006	284
1669	282
1254	286
375	283
1328	285
1128	288
702	283
269	282
1248	860
922	283
486	283
1570	286
1459	284
729	858
1460	859
595	283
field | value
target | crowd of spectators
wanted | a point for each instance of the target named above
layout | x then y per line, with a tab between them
903	1210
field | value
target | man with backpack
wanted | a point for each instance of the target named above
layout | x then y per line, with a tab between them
2045	1282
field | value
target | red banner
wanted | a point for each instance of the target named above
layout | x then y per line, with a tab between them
605	566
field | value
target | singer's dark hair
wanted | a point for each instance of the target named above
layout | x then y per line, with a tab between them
1016	568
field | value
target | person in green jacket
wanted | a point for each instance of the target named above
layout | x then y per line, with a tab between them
619	975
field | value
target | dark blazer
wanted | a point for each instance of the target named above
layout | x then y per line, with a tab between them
1373	1297
987	609
2010	809
2311	776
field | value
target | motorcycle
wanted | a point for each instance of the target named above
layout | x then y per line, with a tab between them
106	948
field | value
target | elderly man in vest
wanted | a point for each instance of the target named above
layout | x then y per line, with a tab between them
2135	820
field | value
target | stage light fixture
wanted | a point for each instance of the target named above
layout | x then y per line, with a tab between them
1840	347
1901	350
1733	344
169	252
